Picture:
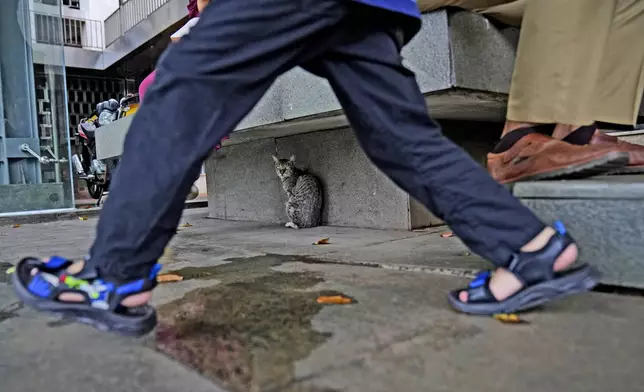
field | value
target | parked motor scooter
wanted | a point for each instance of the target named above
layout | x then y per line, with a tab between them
96	173
87	166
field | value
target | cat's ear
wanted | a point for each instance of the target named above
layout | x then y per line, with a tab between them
292	159
275	159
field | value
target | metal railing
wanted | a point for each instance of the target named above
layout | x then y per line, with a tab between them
127	16
74	32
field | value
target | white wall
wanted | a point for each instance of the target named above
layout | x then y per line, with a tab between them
89	9
94	12
101	9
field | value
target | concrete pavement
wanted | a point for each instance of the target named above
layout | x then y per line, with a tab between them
245	318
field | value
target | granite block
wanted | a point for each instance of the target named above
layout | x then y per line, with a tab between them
356	193
305	94
609	233
428	53
482	55
242	184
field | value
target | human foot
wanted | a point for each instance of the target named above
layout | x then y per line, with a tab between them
504	283
76	291
591	135
526	154
76	268
538	273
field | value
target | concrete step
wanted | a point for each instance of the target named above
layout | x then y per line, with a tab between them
604	214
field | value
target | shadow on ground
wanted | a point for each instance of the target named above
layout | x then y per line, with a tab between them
4	276
247	331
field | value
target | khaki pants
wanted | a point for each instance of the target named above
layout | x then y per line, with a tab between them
578	61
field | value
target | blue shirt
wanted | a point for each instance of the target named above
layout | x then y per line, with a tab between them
410	23
405	7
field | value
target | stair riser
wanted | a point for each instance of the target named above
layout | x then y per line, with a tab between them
610	233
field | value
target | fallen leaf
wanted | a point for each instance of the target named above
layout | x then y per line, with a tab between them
11	270
323	241
509	318
334	300
83	218
167	278
186	225
16	226
447	234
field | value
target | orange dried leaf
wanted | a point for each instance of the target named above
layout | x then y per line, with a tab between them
447	234
323	241
334	300
16	226
510	318
186	225
167	278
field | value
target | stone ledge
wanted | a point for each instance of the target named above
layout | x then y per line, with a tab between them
604	214
463	65
605	187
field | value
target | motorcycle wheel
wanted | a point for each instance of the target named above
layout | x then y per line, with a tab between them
94	189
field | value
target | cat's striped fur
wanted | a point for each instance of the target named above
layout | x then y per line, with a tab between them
304	205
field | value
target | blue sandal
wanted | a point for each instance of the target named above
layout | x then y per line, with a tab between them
101	308
535	271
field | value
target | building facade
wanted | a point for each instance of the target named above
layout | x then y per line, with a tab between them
58	59
35	166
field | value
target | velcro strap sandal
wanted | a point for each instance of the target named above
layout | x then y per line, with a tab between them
540	283
101	307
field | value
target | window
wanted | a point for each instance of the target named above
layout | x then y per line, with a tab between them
73	32
48	31
72	3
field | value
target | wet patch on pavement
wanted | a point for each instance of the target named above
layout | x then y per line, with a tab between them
247	331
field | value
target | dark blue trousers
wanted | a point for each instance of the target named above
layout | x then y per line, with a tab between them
213	77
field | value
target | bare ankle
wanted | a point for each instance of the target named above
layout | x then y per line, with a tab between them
539	241
564	260
563	130
514	125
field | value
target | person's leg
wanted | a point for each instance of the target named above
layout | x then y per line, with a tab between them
553	91
527	155
620	84
388	114
205	84
579	61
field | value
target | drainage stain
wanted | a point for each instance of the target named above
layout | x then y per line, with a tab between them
247	331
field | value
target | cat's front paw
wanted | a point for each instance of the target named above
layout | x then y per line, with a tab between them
291	225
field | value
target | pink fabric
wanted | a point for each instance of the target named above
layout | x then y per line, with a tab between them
193	11
145	84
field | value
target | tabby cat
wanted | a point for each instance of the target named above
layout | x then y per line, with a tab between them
304	205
